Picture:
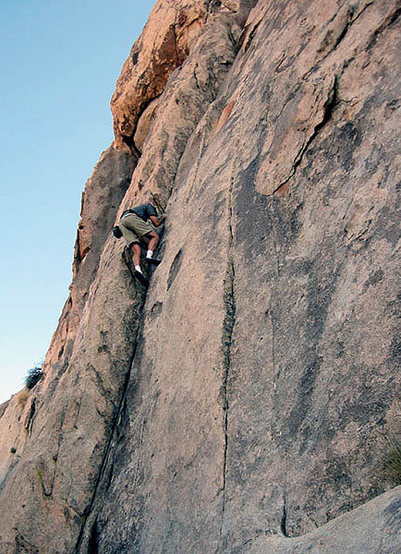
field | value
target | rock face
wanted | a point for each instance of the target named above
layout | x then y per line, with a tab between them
162	47
167	40
236	405
37	461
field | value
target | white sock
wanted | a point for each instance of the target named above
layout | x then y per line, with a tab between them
138	268
149	253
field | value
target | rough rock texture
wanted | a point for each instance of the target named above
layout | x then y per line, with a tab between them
38	425
168	38
163	46
144	123
237	405
370	529
68	418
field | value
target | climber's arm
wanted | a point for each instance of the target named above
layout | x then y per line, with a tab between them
157	220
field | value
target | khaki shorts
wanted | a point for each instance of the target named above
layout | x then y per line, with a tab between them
134	228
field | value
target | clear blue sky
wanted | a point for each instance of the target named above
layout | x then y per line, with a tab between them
59	61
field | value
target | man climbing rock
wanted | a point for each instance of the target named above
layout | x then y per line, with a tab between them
135	225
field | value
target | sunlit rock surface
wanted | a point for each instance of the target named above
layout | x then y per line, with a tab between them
238	404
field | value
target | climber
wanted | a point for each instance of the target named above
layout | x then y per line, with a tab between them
136	224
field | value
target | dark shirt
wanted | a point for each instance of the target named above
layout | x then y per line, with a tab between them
144	211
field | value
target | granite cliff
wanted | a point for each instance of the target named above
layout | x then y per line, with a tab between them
238	404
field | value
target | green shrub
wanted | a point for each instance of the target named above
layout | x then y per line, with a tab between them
33	376
392	458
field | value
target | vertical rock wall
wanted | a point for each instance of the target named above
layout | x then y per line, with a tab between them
55	442
38	464
266	371
238	404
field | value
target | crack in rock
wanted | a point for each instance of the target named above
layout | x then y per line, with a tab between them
228	328
87	520
330	104
389	20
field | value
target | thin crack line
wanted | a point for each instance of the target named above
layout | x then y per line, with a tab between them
340	38
390	20
229	323
347	26
114	425
283	523
328	108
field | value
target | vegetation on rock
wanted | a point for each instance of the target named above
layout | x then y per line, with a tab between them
392	458
33	377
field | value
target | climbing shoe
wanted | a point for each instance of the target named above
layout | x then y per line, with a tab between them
153	261
141	278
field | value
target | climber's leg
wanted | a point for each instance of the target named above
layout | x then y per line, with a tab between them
136	257
136	254
153	242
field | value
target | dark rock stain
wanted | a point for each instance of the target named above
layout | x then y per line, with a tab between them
395	351
304	399
374	278
393	513
394	306
156	309
174	269
366	404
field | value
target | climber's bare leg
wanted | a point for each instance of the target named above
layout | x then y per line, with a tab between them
136	253
154	240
